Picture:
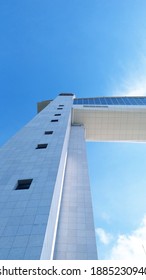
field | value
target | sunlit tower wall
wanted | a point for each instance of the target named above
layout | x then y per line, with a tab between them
38	164
45	203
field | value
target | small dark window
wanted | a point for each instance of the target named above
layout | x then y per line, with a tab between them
23	184
54	120
61	105
41	146
59	108
48	132
66	94
57	115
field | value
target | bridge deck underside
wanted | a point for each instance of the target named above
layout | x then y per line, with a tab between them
112	124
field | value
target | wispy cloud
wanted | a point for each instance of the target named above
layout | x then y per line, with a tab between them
133	78
137	87
105	216
131	246
104	237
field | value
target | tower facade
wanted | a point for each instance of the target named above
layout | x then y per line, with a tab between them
45	203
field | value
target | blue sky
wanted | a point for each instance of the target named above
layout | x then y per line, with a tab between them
91	48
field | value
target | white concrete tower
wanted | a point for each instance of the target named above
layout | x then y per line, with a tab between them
45	203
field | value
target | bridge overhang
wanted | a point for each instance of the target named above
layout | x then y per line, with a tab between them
111	123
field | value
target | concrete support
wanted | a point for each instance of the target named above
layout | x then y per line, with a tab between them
76	233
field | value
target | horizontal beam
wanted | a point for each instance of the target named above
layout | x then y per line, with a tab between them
115	123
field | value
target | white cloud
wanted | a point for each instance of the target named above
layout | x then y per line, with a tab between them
104	237
133	79
137	87
132	246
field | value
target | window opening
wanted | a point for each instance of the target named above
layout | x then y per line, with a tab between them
23	184
41	146
48	132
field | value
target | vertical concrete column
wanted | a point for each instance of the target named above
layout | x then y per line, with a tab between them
29	214
76	235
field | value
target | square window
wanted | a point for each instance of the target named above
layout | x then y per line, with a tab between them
41	146
54	120
48	132
23	184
